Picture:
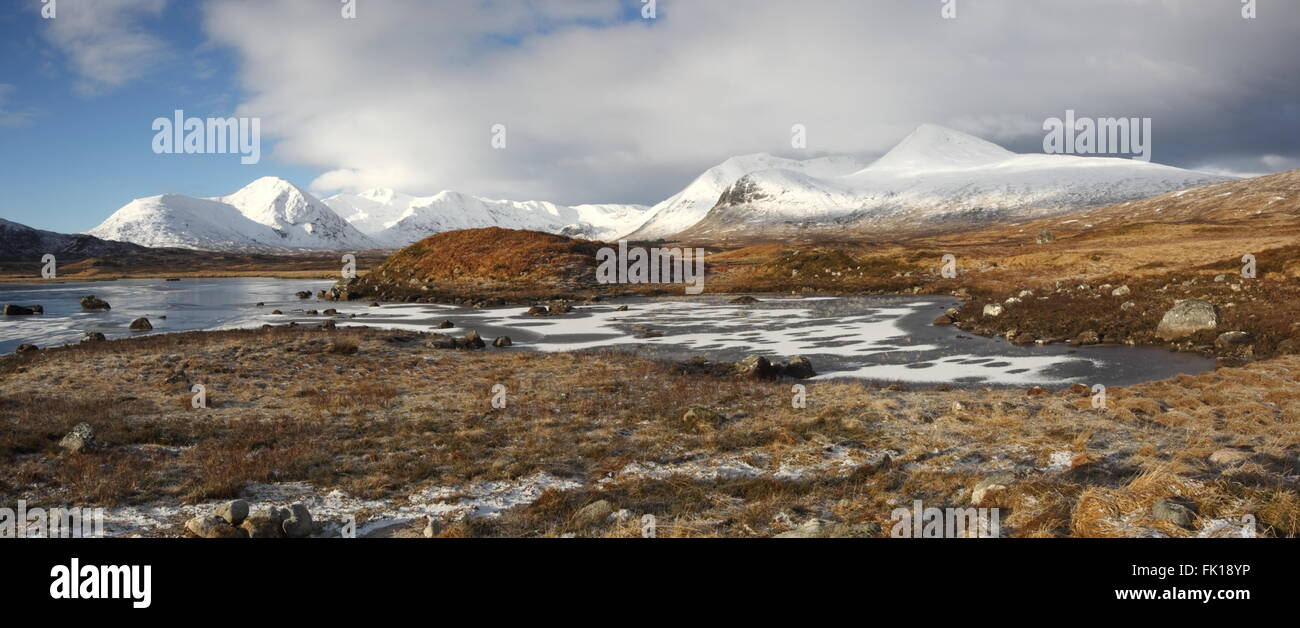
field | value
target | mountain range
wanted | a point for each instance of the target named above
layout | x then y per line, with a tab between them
936	178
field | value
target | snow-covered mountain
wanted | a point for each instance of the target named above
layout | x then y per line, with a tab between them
267	214
685	208
395	219
936	178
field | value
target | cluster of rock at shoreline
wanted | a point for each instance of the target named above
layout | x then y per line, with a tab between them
89	303
1178	324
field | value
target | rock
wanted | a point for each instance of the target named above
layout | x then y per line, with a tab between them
537	310
277	312
560	307
1186	318
260	304
472	341
213	527
91	303
1174	512
1229	456
22	310
303	294
990	486
444	325
81	438
266	524
593	514
298	524
93	336
331	312
810	529
25	347
755	366
233	512
1024	338
1087	338
621	308
374	304
745	300
698	419
502	341
1232	339
1121	291
141	324
329	325
311	313
993	309
943	320
798	367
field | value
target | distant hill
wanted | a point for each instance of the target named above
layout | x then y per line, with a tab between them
22	243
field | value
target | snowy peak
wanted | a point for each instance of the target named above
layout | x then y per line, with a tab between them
269	213
933	147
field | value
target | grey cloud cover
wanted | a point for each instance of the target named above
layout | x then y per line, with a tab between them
602	109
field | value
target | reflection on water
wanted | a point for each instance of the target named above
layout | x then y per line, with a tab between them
880	337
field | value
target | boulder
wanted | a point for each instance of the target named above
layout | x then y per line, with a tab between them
943	320
298	524
798	367
593	514
537	310
265	524
22	310
1173	512
93	336
745	300
81	438
26	347
1087	338
1232	339
444	325
233	512
502	341
141	324
303	294
213	527
755	366
1229	456
993	309
1187	317
621	308
472	341
92	303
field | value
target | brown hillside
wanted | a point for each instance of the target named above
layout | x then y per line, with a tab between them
483	259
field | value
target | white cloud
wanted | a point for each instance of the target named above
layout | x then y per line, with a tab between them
104	41
405	95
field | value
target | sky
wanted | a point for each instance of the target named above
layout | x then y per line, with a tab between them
601	102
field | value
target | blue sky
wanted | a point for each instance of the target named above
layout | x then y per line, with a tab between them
75	157
603	106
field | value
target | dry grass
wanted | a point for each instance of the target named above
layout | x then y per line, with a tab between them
398	416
